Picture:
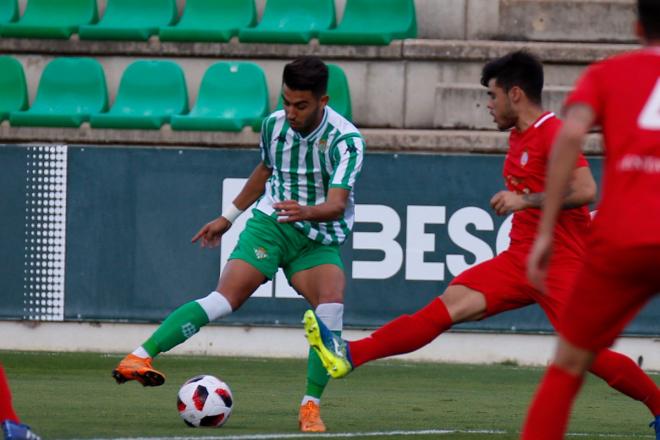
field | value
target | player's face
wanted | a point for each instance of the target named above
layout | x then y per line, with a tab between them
304	111
499	106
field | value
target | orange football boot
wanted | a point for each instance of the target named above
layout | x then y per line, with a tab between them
309	418
136	368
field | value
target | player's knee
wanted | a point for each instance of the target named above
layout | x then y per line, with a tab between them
464	304
571	359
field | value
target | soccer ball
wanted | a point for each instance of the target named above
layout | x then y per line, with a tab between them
205	401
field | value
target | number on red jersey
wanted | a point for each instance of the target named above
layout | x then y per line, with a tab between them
649	118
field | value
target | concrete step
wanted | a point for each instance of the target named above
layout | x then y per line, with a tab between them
463	106
378	140
551	20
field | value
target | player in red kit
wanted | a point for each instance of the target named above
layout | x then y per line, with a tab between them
514	84
622	259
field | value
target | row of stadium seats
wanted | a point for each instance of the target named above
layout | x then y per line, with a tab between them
232	95
375	22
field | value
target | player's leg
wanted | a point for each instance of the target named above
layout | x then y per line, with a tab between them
484	290
241	276
618	370
6	408
318	275
238	281
12	428
548	414
607	295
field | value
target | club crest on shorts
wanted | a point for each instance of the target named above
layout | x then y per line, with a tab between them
260	253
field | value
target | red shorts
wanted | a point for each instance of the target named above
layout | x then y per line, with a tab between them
503	282
611	288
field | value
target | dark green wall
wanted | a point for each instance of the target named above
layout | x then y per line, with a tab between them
132	211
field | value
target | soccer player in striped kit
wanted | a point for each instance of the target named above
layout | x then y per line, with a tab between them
621	272
514	83
311	158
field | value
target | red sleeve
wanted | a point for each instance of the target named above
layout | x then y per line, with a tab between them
586	91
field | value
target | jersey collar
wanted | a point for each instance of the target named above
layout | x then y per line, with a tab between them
319	128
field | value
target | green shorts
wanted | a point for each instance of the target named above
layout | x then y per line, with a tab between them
268	245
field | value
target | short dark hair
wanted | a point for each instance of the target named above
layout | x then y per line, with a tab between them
307	73
519	68
648	12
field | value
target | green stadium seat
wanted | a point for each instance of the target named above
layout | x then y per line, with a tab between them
150	92
8	11
131	20
375	22
13	90
69	91
338	91
291	21
211	20
231	96
52	19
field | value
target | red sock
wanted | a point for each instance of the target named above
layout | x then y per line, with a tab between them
6	408
623	374
548	414
402	335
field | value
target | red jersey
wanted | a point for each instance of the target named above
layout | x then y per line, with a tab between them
524	173
624	93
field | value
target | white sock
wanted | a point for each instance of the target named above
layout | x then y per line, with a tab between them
141	352
332	315
215	305
310	399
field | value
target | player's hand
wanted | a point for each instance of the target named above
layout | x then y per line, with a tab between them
290	211
506	202
538	261
211	232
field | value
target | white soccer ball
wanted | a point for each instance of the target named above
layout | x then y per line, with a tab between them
205	401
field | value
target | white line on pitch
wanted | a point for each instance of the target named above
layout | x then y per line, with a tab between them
367	434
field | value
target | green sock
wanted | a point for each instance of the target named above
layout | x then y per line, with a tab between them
317	376
180	325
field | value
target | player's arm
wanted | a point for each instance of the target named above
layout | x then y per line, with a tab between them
332	209
254	187
211	232
347	156
565	151
581	191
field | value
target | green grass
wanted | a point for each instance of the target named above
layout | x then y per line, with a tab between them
71	395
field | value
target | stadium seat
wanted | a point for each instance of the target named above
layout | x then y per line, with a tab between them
50	19
131	20
150	92
70	90
8	11
231	96
211	20
13	90
373	22
291	21
338	91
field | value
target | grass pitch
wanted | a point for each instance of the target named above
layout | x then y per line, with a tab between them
72	396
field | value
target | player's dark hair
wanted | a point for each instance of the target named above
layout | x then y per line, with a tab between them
649	16
307	73
519	68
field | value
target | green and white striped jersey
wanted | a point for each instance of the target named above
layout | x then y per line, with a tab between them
304	168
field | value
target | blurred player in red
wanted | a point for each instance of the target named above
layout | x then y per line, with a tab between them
622	258
514	83
11	426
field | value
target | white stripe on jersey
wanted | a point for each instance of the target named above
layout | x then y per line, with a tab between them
290	174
